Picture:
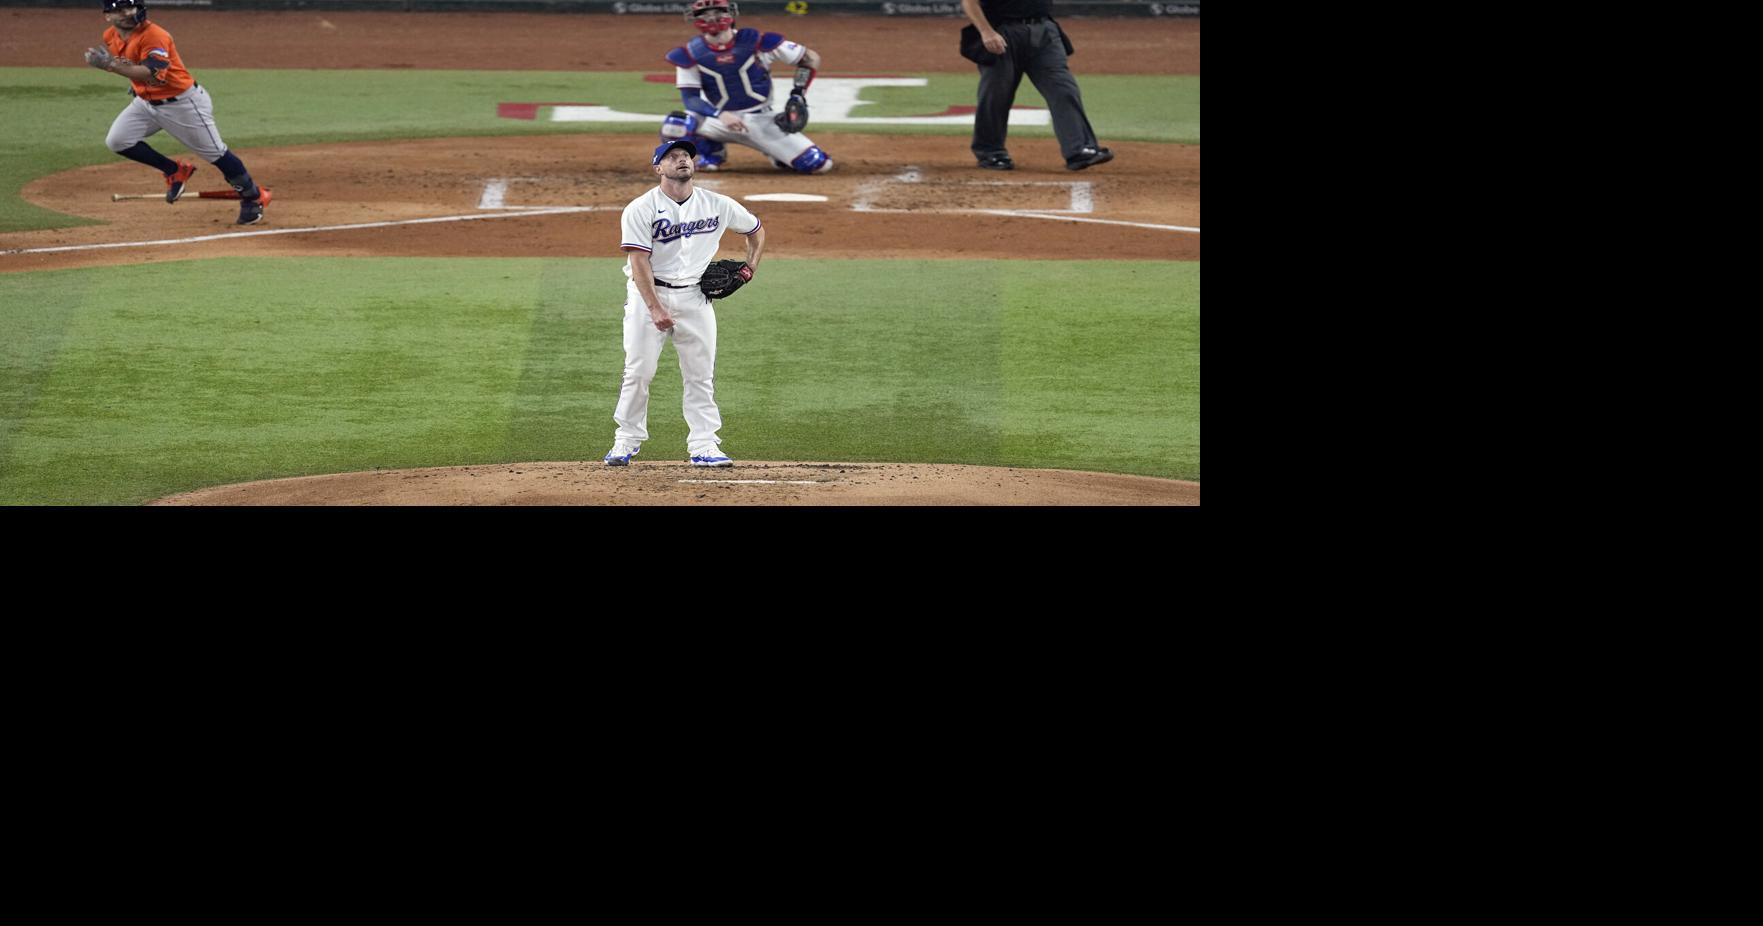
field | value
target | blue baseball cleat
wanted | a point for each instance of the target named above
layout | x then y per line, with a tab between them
621	453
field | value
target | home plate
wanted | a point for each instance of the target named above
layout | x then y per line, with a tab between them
785	198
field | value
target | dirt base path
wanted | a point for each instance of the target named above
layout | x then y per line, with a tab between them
888	196
594	483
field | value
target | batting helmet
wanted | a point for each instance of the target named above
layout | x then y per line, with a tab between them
712	16
139	6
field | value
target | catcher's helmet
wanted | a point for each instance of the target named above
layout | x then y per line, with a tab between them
139	6
712	16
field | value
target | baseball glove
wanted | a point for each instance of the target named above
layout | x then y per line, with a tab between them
721	279
99	58
794	118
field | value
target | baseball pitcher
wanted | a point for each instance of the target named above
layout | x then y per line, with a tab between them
670	235
724	80
166	97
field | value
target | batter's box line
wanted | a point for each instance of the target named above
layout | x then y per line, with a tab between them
496	191
1028	214
1083	196
495	195
1024	214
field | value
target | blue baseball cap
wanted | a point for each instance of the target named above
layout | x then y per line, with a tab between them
667	146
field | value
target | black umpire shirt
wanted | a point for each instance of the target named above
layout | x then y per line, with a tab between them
1005	10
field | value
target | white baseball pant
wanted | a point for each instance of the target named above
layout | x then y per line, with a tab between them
694	340
762	133
189	120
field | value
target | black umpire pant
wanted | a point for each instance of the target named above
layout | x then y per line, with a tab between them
1037	50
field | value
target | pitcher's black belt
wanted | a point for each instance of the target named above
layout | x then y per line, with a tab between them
172	100
670	285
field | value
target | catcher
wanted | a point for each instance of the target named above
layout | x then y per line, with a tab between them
165	97
724	80
670	235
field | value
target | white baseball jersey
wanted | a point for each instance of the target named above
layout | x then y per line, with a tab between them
682	238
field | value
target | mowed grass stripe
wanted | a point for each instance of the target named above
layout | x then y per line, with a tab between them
110	397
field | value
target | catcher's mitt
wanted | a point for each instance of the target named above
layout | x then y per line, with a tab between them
99	58
721	279
794	118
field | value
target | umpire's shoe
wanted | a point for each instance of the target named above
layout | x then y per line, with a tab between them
175	181
997	162
251	211
621	453
1089	157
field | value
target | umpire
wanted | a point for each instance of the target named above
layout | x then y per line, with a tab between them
1010	38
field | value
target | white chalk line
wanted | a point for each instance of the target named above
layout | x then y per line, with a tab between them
1033	214
1083	201
495	191
1083	197
755	482
317	229
1021	214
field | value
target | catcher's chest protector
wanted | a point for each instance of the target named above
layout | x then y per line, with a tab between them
730	74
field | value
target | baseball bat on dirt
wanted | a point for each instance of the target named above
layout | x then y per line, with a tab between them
205	194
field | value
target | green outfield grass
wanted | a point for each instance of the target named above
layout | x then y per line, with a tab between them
107	397
57	117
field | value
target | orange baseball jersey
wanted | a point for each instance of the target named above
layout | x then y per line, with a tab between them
152	46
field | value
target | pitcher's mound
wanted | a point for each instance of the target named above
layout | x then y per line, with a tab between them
749	483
